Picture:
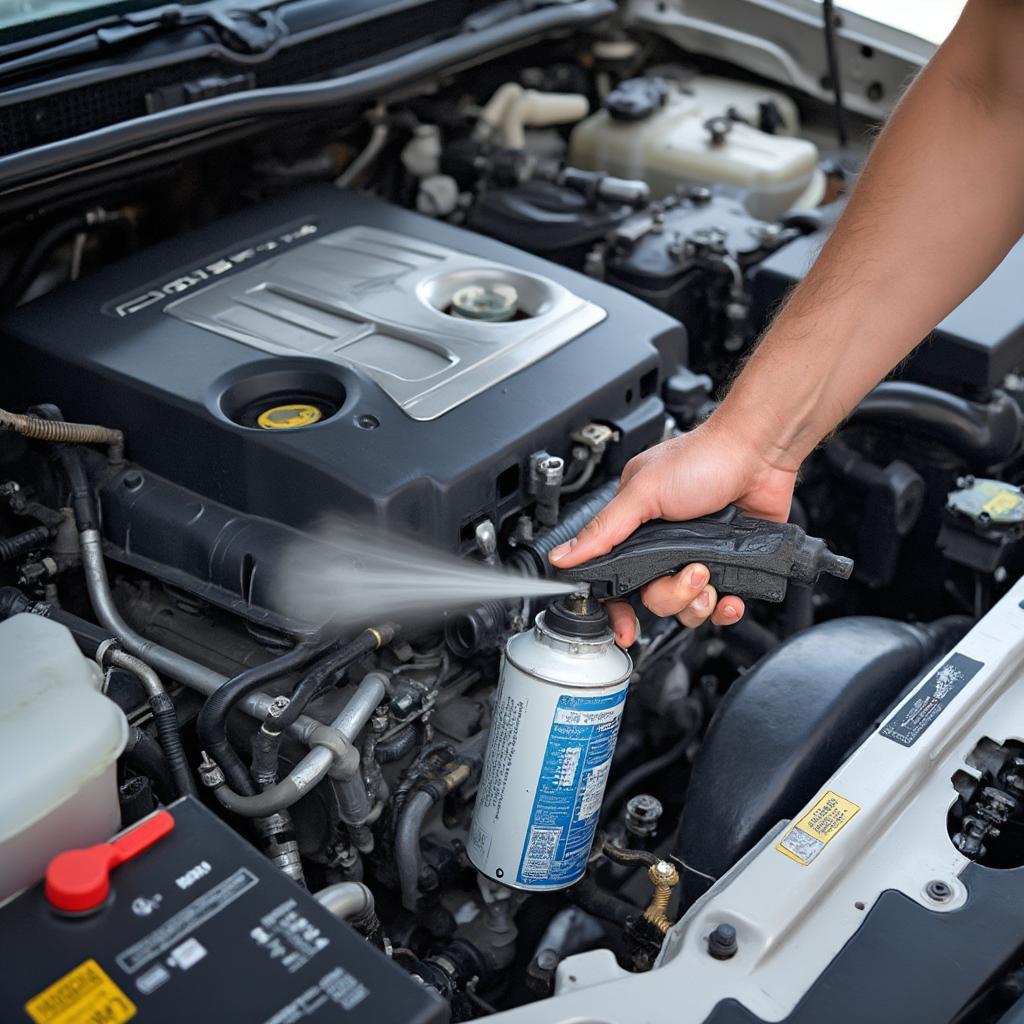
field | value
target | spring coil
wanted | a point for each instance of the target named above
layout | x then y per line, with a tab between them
38	429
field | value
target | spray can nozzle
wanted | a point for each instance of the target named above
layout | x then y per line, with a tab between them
748	557
577	615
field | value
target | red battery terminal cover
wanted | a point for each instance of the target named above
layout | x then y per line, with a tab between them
79	880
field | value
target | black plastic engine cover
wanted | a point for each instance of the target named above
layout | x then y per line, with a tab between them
106	351
975	347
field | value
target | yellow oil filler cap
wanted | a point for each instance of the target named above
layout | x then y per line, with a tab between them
287	417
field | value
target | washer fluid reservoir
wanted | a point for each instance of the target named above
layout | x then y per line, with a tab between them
60	739
674	136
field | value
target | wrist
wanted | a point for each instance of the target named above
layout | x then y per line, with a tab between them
778	434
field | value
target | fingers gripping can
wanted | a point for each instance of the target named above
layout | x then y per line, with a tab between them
556	717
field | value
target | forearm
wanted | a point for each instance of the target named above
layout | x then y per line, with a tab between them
938	205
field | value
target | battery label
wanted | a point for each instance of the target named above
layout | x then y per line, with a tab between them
82	996
569	790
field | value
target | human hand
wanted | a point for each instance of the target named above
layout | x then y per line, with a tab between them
683	478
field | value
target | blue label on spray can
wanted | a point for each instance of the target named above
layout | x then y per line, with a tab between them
570	788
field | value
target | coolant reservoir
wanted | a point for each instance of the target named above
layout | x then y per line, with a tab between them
670	136
59	743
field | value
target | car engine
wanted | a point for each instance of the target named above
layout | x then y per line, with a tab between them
453	312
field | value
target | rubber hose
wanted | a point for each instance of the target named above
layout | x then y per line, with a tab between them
28	268
407	842
145	756
333	661
322	676
397	747
70	458
22	543
532	555
986	433
588	896
165	717
212	724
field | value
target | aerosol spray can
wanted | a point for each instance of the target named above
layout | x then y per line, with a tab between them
556	718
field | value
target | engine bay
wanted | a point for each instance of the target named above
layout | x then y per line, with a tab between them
453	312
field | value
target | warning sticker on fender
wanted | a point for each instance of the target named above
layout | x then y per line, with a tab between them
82	996
923	706
817	828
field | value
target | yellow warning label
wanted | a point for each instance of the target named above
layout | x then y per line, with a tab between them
1001	504
818	827
286	417
83	996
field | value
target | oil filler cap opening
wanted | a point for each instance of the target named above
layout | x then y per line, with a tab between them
287	417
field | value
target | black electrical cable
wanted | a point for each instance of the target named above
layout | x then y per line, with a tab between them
832	56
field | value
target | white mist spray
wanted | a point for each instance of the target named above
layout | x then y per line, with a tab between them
357	575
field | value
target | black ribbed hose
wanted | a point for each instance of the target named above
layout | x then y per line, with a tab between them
532	556
165	717
22	543
145	757
398	746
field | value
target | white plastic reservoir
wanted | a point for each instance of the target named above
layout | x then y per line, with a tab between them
671	146
59	743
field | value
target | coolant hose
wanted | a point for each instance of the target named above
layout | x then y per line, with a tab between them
589	896
986	433
410	825
407	841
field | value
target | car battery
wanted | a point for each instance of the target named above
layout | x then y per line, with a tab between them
178	919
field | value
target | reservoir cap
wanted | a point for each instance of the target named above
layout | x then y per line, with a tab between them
79	880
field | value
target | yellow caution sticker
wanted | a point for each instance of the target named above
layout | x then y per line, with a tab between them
287	417
83	996
817	828
1003	503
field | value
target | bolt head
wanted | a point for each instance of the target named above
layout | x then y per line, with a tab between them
939	891
722	942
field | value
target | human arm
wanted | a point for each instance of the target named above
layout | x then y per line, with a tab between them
937	206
